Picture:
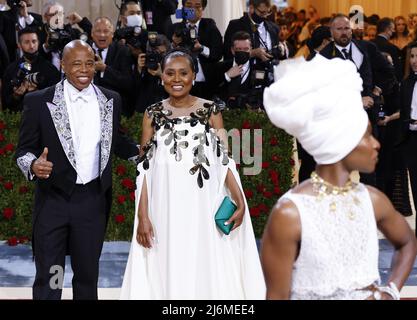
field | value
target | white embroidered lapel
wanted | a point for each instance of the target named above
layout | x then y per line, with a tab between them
106	119
60	117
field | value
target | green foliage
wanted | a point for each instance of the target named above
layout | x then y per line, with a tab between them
262	191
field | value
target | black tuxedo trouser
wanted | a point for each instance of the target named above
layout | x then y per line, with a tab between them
75	224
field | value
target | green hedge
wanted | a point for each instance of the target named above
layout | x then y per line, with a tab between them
262	191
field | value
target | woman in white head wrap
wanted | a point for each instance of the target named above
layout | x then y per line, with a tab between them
321	239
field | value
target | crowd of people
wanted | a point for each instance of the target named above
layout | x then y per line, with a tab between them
346	103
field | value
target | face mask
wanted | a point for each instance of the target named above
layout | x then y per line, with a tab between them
134	20
257	19
31	56
241	57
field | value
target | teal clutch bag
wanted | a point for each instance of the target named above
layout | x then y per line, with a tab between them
225	211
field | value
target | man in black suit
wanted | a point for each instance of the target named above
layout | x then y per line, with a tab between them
15	84
15	19
385	30
113	63
158	13
235	75
207	45
344	47
264	33
67	136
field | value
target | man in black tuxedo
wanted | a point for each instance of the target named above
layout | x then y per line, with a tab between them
15	84
344	47
15	19
158	13
264	33
114	63
67	137
234	76
207	46
385	30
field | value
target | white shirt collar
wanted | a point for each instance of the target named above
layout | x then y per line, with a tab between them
97	48
340	48
74	94
197	24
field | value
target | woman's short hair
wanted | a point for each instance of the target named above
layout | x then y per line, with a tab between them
183	53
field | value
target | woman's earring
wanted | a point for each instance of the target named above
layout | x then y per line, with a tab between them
193	82
162	83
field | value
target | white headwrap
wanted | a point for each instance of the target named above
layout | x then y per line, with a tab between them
319	102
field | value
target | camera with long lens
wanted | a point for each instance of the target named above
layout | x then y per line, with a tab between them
134	36
24	73
13	4
23	70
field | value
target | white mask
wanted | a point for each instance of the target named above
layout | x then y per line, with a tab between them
134	20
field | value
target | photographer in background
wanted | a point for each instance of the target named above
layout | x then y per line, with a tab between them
202	37
131	28
56	34
29	73
114	64
265	42
148	72
235	76
158	13
15	19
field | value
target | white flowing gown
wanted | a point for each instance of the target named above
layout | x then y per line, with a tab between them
184	169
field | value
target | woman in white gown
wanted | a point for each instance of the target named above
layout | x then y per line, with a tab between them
321	240
177	252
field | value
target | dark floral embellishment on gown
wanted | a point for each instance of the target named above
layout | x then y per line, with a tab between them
161	120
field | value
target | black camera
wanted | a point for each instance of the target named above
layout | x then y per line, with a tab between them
134	36
23	73
188	37
13	4
59	38
153	57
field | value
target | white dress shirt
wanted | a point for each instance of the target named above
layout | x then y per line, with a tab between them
265	36
103	56
357	55
84	115
200	77
413	114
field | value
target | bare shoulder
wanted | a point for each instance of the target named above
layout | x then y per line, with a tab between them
380	202
284	220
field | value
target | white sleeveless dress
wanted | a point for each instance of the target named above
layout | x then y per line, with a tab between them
339	249
185	167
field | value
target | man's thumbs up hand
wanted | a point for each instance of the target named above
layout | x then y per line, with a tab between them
41	167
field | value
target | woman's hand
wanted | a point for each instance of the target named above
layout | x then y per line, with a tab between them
237	217
144	233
